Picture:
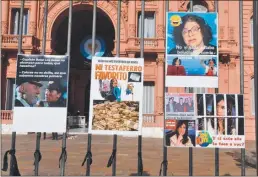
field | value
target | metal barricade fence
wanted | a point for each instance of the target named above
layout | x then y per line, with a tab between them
79	121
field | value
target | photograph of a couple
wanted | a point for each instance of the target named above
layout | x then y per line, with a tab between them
40	93
191	66
178	103
180	134
192	33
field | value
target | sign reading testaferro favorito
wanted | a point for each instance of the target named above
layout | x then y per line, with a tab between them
116	96
40	103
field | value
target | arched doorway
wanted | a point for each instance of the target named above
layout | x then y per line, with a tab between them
80	67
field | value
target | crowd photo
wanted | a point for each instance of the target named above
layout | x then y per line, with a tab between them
179	103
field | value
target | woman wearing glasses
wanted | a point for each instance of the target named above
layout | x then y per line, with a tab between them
192	37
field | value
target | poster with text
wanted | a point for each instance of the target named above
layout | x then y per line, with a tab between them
40	103
180	104
116	96
217	121
192	49
220	121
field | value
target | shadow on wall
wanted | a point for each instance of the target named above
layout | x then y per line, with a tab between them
250	158
144	173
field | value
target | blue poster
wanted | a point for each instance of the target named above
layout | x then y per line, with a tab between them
192	49
192	33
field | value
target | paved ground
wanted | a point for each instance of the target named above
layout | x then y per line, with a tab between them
126	158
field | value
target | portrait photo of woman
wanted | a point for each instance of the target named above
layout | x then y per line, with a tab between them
193	37
220	115
176	69
180	137
210	67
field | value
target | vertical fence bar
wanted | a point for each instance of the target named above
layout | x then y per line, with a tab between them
93	54
255	28
89	150
1	59
190	148
216	91
118	55
21	27
165	151
37	153
140	165
241	74
64	154
12	160
45	28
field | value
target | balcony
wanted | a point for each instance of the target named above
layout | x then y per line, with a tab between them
10	41
7	116
150	44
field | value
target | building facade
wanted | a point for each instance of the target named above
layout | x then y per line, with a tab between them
106	28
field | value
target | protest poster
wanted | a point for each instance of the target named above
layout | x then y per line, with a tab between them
191	50
117	93
180	104
180	132
218	122
40	103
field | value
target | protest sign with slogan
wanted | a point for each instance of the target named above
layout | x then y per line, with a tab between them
40	103
116	96
191	49
209	121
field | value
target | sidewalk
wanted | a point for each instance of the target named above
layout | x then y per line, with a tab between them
126	157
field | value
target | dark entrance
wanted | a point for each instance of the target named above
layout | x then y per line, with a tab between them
80	67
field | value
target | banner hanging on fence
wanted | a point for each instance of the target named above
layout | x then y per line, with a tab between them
116	96
40	103
204	120
192	49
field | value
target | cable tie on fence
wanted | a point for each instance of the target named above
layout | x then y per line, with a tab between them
63	153
37	156
165	163
111	158
87	157
140	163
14	170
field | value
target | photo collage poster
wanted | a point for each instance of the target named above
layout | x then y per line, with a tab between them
204	120
192	49
40	100
116	105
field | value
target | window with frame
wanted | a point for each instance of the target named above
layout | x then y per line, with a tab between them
252	96
10	94
149	25
148	97
198	6
251	31
15	21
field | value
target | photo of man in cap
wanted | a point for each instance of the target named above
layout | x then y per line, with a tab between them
54	94
27	93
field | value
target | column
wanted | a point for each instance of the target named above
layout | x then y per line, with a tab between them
4	22
132	19
160	89
33	16
161	20
131	23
